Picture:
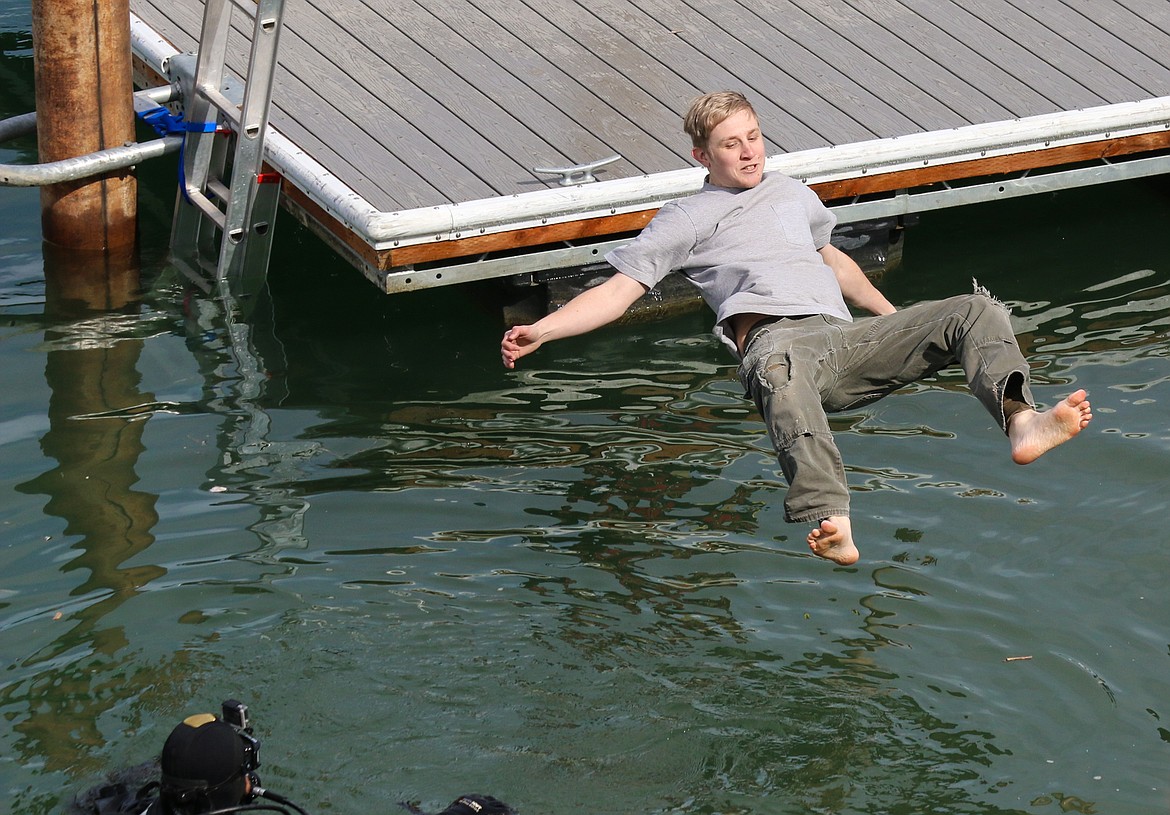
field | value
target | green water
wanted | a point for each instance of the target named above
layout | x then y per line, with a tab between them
571	586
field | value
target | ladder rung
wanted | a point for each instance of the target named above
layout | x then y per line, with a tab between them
219	190
207	207
226	106
249	7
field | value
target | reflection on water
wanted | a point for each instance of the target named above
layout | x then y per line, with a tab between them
91	372
1118	322
571	586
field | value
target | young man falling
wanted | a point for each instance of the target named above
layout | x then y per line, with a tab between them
757	247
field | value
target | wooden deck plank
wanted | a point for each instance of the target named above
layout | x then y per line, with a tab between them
582	86
876	57
338	144
361	124
568	73
1025	68
398	101
652	106
690	71
1083	26
316	84
770	65
969	68
1154	12
644	49
312	120
1062	54
480	129
761	46
570	141
179	24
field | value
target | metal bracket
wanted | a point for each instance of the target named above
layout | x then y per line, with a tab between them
578	173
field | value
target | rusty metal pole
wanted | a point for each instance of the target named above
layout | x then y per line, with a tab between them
84	88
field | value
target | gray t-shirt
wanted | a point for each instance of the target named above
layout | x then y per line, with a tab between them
752	250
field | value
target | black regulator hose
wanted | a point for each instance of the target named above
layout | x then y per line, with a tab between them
280	799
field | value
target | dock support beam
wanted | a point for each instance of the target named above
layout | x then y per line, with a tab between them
84	92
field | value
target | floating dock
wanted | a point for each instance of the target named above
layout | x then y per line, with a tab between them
412	135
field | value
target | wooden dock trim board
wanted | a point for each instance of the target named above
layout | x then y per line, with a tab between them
407	133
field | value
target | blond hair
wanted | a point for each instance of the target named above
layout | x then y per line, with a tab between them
707	111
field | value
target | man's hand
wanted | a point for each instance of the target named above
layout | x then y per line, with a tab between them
590	309
519	341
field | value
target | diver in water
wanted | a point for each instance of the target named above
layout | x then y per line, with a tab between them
208	764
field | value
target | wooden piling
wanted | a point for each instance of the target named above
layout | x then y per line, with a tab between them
84	90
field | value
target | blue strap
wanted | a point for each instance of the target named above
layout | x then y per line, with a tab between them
166	123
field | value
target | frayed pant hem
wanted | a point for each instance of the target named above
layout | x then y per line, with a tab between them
815	517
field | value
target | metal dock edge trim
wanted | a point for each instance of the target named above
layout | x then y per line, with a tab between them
879	156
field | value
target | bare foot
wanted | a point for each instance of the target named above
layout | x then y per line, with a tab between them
1033	434
833	540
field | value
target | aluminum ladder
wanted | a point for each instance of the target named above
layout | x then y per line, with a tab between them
224	194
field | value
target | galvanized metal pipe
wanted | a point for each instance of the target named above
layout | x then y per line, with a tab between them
82	167
17	126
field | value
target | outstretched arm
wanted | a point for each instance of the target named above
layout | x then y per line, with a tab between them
855	286
590	309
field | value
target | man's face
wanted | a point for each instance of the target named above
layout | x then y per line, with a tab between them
734	156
